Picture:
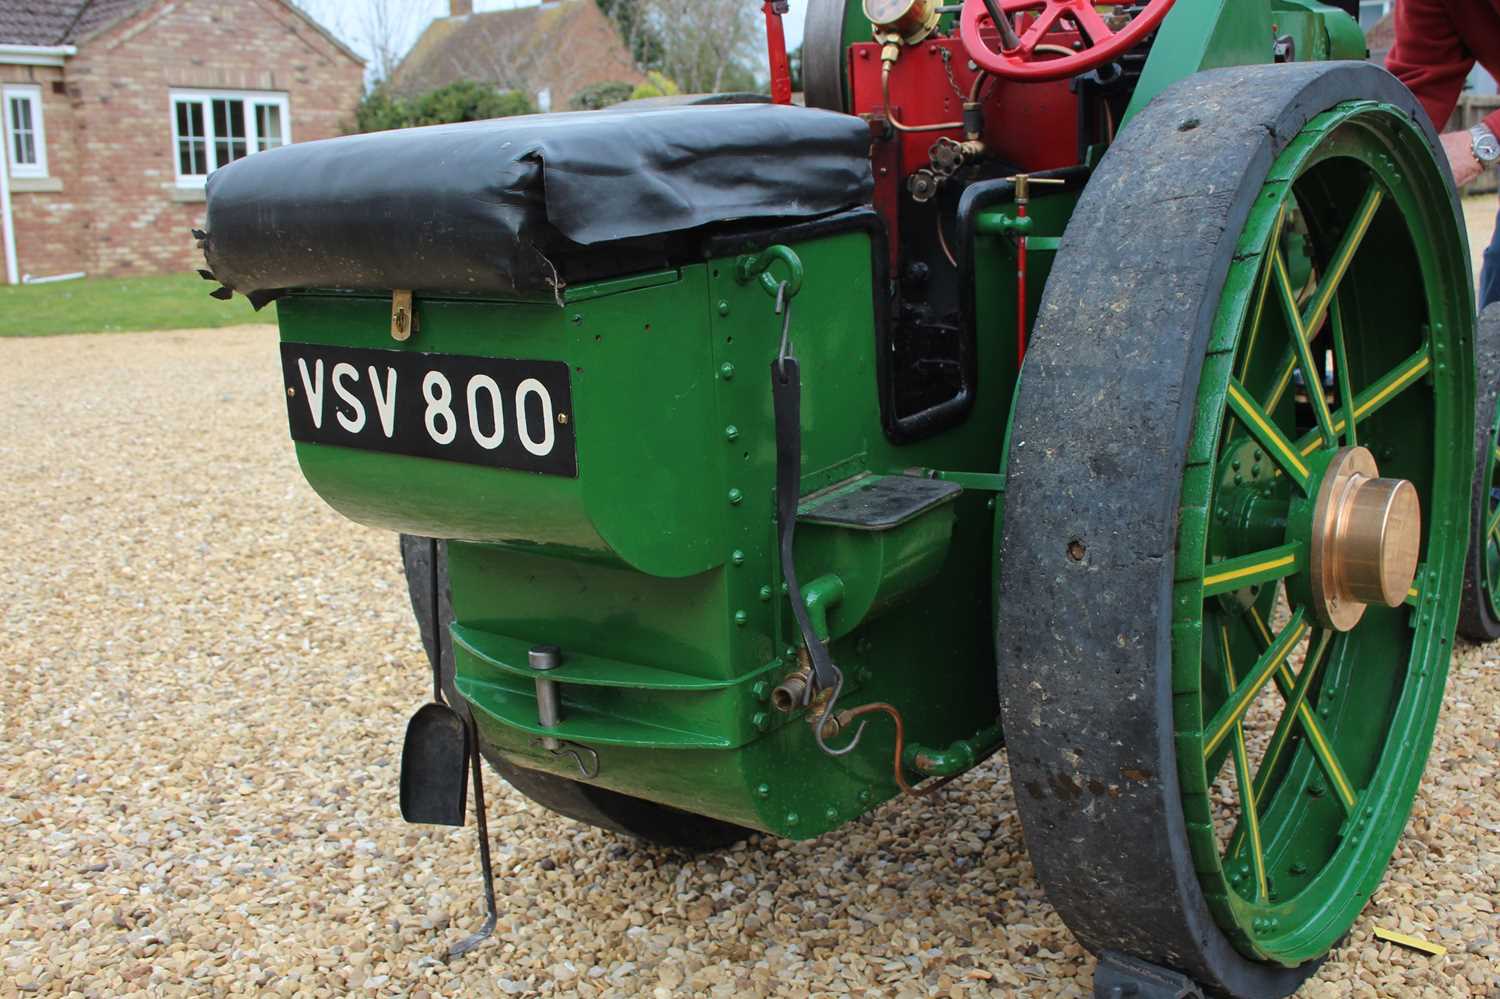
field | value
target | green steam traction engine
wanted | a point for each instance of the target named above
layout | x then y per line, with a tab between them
749	516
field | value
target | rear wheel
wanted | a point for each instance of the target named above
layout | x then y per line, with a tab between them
426	567
1479	621
1233	539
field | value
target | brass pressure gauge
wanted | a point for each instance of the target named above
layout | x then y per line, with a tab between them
913	20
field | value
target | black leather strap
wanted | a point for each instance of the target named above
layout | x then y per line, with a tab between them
786	399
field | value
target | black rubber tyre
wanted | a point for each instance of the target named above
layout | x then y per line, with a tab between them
425	563
1477	620
1102	425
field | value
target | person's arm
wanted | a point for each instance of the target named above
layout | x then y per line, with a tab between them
1429	57
1433	61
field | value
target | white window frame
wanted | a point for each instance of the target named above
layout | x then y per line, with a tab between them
204	99
33	94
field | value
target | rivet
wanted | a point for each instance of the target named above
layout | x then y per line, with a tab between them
761	721
791	652
792	818
562	418
784	590
290	391
731	432
1235	464
577	319
765	593
831	814
735	496
723	307
761	689
763	791
864	796
726	371
741	618
737	557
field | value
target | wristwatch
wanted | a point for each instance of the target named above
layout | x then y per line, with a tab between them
1486	146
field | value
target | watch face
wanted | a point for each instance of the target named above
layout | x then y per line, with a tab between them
1487	148
885	12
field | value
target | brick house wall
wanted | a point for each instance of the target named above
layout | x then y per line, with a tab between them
49	237
108	119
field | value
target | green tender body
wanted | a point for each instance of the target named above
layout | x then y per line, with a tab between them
656	568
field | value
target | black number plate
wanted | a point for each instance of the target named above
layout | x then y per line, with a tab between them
500	412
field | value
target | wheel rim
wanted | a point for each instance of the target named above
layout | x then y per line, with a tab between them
1300	744
1490	544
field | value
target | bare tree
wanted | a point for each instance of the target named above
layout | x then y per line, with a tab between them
380	30
708	45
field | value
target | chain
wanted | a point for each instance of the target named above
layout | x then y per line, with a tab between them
947	56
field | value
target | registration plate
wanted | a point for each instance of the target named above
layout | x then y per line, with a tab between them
496	411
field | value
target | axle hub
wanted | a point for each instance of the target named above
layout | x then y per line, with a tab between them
1367	532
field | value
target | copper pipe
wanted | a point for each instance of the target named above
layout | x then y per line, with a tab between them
890	116
881	707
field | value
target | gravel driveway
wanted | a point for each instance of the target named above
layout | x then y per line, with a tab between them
206	676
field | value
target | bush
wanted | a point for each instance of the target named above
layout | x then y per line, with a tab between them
464	101
656	85
600	95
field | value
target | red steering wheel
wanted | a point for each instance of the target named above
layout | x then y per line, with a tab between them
1023	55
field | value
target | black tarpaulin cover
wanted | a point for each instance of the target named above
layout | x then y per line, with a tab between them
504	205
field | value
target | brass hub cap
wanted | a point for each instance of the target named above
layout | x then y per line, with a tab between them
1367	532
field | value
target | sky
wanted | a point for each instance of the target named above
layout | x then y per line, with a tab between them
344	16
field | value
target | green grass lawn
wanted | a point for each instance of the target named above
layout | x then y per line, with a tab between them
114	305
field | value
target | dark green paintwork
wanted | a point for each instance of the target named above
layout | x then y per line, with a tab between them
1208	34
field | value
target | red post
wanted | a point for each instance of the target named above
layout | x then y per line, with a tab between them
781	67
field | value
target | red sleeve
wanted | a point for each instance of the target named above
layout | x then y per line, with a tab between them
1429	57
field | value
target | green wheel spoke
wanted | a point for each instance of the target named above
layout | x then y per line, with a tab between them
1338	264
1263	286
1322	748
1244	694
1386	388
1289	715
1255	568
1264	429
1300	340
1249	809
1283	379
1347	402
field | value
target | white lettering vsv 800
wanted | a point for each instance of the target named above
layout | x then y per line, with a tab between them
500	412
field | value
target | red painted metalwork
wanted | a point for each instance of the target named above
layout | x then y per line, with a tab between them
1032	127
781	67
1035	50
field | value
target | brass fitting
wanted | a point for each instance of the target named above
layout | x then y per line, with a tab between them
789	693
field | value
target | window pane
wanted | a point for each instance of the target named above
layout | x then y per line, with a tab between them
268	126
192	145
22	132
229	131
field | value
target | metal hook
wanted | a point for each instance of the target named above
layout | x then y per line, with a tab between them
575	750
827	712
784	309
